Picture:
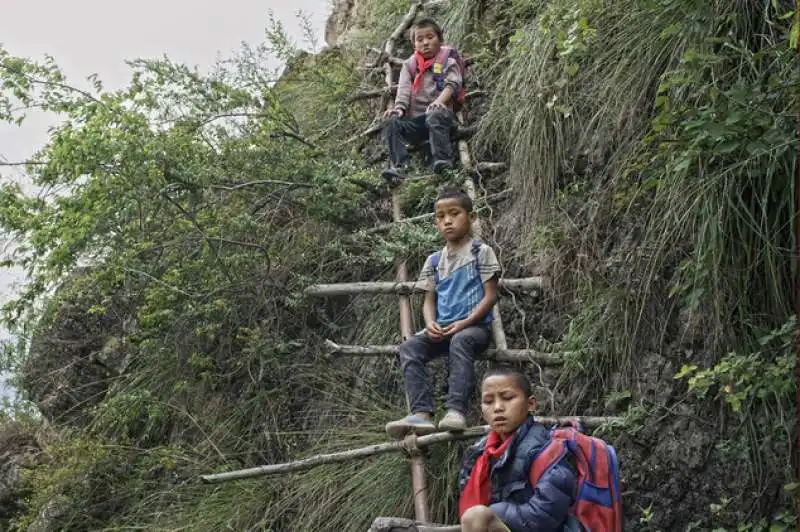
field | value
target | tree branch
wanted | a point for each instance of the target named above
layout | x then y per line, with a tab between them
22	163
263	182
295	136
372	93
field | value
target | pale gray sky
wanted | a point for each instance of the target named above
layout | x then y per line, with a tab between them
97	36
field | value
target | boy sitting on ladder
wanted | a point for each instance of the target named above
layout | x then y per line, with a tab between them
460	284
523	477
430	88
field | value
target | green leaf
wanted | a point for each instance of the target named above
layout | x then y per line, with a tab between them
685	371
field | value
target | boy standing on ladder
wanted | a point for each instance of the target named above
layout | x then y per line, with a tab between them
430	85
460	284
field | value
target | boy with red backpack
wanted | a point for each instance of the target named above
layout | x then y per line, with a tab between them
429	91
523	477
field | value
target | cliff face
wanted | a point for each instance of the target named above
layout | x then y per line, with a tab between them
639	175
347	19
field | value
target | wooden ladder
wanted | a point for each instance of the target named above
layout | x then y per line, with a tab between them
404	288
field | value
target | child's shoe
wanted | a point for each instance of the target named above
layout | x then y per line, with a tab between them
394	174
413	423
453	421
441	165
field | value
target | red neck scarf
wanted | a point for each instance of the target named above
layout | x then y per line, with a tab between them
478	490
422	66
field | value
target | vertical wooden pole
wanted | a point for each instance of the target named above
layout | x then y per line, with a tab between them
797	294
418	479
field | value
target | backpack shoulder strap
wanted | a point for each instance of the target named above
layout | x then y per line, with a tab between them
444	54
411	66
476	247
476	251
441	61
549	456
435	258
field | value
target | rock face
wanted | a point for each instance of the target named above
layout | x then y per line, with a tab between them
18	451
345	19
75	352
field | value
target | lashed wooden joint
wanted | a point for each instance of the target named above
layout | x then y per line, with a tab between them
407	287
499	355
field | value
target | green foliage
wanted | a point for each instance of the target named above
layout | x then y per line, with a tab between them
86	483
650	145
183	194
741	379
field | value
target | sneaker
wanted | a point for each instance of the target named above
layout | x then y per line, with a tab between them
413	423
441	165
453	421
393	174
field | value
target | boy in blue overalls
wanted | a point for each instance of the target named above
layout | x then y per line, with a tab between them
460	284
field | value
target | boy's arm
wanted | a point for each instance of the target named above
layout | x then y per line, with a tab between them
429	307
426	281
452	84
549	506
432	327
403	99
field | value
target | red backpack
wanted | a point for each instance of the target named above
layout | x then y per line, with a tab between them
598	504
445	52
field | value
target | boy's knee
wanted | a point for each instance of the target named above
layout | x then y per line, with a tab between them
438	118
469	337
393	124
477	518
412	349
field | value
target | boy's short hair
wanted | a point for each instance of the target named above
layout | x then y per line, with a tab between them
427	23
457	194
505	371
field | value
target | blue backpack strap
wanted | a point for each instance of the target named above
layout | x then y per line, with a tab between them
435	266
476	250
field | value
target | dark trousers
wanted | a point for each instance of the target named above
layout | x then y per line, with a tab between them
437	127
461	348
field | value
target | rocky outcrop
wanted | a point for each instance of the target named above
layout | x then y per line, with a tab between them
19	450
76	351
345	21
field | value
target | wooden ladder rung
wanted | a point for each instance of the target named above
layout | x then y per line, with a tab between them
501	355
406	287
401	524
390	447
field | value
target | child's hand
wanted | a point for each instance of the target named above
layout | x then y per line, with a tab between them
394	111
454	327
436	105
435	331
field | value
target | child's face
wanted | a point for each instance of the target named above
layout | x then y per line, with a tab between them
426	42
452	219
504	405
